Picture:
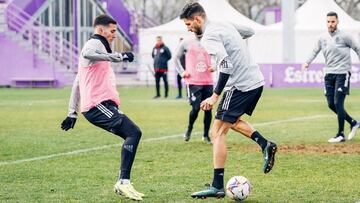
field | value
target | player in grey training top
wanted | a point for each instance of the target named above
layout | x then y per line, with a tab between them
243	82
336	46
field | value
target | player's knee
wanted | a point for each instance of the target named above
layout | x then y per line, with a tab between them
137	132
339	106
196	109
331	106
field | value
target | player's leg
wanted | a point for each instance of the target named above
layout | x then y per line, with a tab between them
342	88
166	84
207	91
131	134
245	102
179	85
157	84
195	100
107	116
268	148
218	134
330	89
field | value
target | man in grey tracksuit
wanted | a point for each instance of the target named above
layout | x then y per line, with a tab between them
336	46
241	79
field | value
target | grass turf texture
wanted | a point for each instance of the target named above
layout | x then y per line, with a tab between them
170	170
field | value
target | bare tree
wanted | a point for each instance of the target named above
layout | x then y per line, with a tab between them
254	8
160	11
351	7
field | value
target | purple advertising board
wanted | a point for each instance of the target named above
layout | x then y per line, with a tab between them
290	75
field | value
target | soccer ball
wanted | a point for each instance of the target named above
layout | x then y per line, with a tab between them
238	188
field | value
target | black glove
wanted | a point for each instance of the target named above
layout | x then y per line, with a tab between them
127	56
68	123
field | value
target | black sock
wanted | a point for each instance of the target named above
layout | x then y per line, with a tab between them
207	123
262	142
218	181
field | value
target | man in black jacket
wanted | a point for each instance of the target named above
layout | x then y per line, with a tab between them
161	55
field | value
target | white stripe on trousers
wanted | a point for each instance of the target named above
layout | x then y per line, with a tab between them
227	99
347	77
104	110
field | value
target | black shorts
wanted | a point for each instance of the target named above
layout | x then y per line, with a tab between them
107	116
198	93
235	103
337	84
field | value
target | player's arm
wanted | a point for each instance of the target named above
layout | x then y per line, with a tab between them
244	31
314	53
153	53
168	53
92	52
350	41
179	54
219	59
70	120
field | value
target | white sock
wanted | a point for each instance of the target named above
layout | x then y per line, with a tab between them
124	181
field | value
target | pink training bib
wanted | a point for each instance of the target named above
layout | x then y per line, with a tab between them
97	84
197	64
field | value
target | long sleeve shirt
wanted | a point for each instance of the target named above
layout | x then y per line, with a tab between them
223	41
336	50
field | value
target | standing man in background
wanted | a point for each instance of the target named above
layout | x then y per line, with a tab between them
336	45
95	89
199	80
161	55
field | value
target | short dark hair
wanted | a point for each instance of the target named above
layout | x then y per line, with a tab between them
191	9
332	13
158	37
104	20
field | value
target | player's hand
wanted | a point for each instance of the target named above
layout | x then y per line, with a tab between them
304	67
208	103
185	74
68	123
127	56
211	69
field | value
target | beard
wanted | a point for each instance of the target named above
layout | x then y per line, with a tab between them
198	31
332	29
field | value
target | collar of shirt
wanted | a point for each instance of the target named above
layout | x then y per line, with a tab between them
206	23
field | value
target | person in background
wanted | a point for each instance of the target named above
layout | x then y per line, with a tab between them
198	79
336	45
161	55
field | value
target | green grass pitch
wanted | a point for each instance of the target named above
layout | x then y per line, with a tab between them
307	169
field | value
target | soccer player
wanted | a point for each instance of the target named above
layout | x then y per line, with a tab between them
336	46
198	77
178	76
243	83
95	88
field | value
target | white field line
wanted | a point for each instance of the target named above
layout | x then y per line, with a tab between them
80	151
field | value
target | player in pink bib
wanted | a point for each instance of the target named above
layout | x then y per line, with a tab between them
198	77
95	89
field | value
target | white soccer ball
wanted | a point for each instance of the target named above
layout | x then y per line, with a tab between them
238	188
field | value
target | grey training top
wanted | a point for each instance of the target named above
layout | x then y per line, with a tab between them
92	52
336	50
223	41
